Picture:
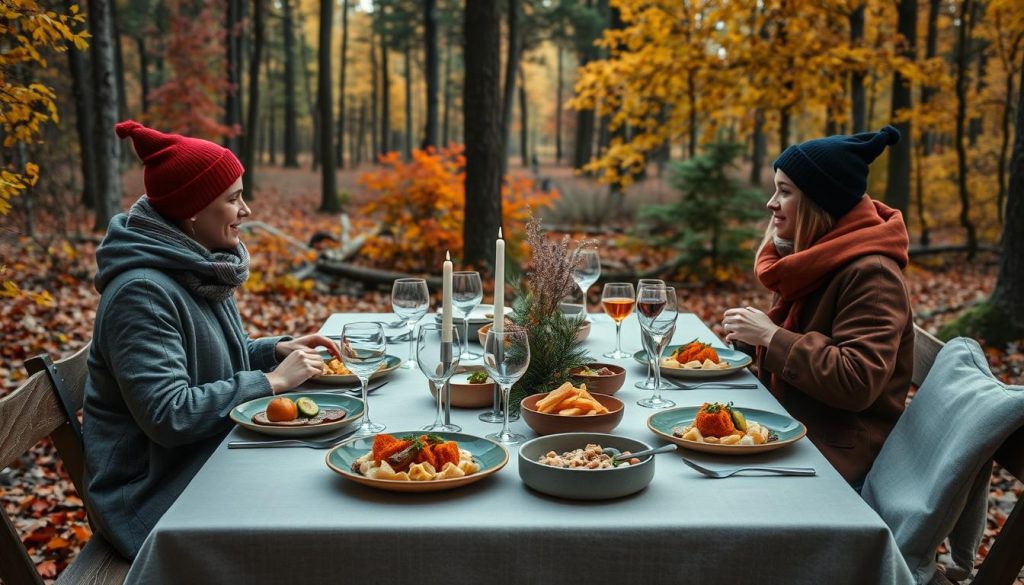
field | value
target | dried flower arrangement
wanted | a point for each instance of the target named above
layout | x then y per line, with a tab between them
553	347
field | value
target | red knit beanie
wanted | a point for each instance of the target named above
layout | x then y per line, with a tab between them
183	175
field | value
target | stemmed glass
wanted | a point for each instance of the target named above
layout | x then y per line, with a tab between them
618	300
438	363
648	383
410	300
467	292
657	312
586	271
363	349
506	357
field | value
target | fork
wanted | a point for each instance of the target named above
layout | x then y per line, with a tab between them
728	385
722	473
319	444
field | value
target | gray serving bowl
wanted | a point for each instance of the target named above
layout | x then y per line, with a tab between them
583	484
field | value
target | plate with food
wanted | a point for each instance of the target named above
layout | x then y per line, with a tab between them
579	466
696	360
471	388
714	427
417	461
335	371
298	414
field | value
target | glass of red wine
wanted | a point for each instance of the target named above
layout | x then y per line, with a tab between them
657	311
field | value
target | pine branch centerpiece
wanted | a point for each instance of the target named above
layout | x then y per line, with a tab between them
554	350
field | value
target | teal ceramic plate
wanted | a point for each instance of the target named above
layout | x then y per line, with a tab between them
787	428
390	363
737	360
489	455
243	413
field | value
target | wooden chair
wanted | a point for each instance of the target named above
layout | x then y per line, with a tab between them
1006	557
47	404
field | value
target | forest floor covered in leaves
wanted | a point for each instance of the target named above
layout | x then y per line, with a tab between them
56	266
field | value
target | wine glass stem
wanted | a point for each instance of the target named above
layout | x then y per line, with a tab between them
439	419
650	374
618	338
505	389
365	381
412	341
465	334
656	367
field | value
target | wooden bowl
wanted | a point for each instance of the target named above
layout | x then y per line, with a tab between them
581	333
550	424
466	395
609	384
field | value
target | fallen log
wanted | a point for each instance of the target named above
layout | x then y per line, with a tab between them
367	275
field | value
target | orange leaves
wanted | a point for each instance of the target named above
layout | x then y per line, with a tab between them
421	204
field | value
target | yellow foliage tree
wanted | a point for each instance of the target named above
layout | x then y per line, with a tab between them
28	31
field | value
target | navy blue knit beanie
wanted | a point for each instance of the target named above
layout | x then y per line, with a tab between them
833	171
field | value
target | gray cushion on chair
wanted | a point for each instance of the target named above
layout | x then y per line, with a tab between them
934	466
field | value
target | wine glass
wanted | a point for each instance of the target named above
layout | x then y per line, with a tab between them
410	300
506	358
618	300
657	312
648	383
363	349
586	271
467	292
438	360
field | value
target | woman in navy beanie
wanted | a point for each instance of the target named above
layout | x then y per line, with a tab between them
170	357
836	346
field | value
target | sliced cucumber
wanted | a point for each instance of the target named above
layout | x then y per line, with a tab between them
738	419
307	407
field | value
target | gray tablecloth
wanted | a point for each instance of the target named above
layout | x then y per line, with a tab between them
280	515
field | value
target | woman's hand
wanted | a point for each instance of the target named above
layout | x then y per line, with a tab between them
285	348
297	367
748	325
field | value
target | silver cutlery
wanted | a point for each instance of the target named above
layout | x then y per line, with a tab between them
617	455
317	444
722	473
699	385
356	391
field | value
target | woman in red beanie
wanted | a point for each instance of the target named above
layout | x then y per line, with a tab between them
170	357
836	347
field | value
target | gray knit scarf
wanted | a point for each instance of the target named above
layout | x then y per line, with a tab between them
218	273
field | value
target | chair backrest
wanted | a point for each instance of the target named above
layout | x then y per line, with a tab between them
36	410
1005	559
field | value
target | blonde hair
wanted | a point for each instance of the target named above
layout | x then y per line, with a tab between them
812	222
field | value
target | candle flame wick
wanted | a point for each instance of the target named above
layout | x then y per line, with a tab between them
499	233
447	255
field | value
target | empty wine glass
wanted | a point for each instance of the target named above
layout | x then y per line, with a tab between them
363	349
438	360
506	358
467	292
410	300
618	299
647	383
657	312
586	271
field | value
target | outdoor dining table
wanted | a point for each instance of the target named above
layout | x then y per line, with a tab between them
254	516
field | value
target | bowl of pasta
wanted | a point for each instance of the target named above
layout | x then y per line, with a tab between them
576	466
569	409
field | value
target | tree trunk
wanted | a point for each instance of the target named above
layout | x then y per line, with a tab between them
328	179
897	189
385	100
974	126
104	82
925	148
140	46
84	113
407	146
233	69
340	153
291	137
1003	147
361	134
430	51
511	66
857	102
253	115
785	119
312	105
374	99
272	107
484	142
963	36
691	90
759	148
558	108
115	32
446	115
1009	291
524	121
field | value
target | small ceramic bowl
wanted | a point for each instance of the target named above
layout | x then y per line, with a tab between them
583	484
609	384
581	333
466	395
549	424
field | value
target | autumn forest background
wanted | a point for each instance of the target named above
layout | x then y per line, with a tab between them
377	134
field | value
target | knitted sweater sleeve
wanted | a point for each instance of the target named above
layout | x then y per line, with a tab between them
146	352
850	368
